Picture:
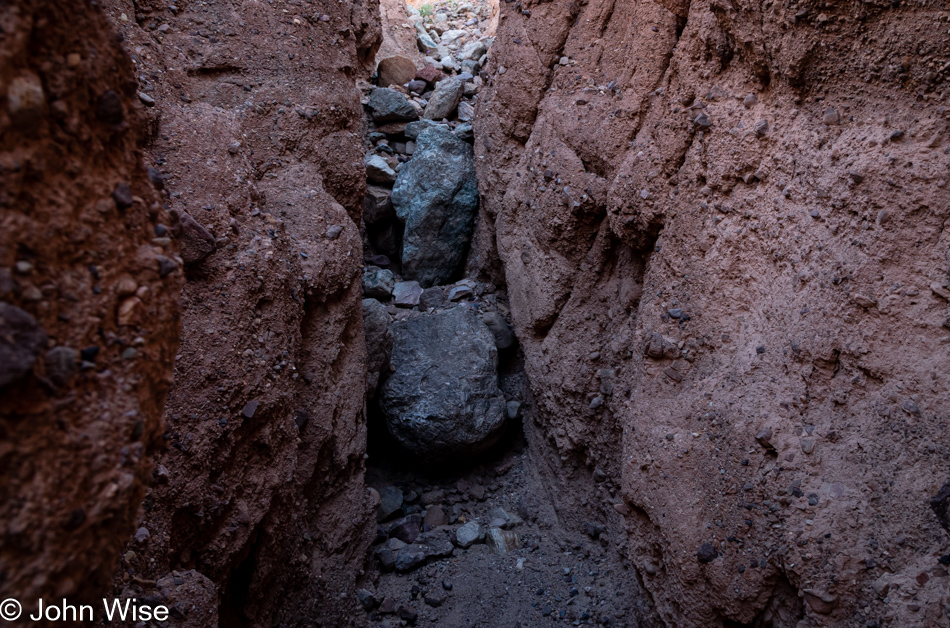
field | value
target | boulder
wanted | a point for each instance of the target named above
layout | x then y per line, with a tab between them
436	197
390	501
442	400
378	283
388	105
379	346
473	51
395	71
444	99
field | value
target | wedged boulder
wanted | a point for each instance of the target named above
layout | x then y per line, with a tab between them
388	105
443	401
436	196
395	71
445	99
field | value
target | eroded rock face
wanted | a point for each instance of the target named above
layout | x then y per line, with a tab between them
436	196
261	489
442	399
722	223
88	303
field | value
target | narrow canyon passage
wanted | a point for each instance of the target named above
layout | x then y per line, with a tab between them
476	313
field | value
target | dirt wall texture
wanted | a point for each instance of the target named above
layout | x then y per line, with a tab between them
88	302
723	231
255	126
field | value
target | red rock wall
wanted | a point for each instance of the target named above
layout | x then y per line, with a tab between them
88	302
722	229
256	128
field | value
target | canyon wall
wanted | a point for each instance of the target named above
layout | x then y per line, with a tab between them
722	228
88	302
254	123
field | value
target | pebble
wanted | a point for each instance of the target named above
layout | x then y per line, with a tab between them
830	117
706	553
750	101
62	364
469	534
142	535
122	195
761	128
513	409
407	293
110	109
25	99
458	293
21	341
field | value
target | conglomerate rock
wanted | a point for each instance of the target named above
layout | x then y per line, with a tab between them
88	303
762	187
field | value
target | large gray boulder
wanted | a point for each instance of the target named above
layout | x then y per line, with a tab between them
443	401
436	196
388	105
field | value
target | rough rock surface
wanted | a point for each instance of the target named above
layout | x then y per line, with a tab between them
762	186
88	303
256	131
442	400
436	196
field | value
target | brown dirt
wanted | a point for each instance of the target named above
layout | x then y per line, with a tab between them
78	255
809	258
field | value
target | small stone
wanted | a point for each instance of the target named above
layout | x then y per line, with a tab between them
157	180
110	109
132	312
857	177
25	99
378	283
407	613
702	121
447	585
763	437
466	112
513	409
435	517
502	541
808	445
863	301
378	170
706	553
469	534
435	600
21	341
122	195
195	242
146	100
761	128
820	602
406	529
504	337
593	530
831	117
334	231
62	364
166	266
407	293
390	501
23	267
250	408
896	136
457	293
750	101
367	599
142	535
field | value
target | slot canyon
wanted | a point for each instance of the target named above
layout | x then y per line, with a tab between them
476	313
